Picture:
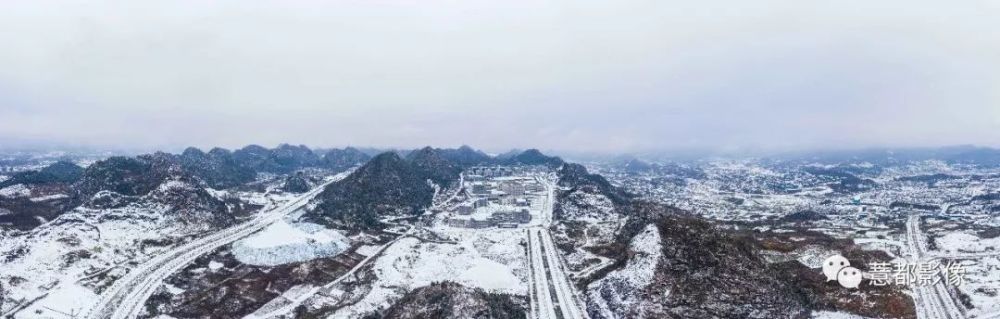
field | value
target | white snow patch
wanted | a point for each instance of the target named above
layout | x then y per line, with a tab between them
61	300
966	242
284	242
49	197
367	250
214	265
218	194
417	264
173	290
16	190
174	184
814	255
835	315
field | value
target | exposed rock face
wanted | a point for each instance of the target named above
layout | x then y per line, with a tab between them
386	185
452	300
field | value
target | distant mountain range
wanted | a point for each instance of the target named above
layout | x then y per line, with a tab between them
388	183
964	154
133	176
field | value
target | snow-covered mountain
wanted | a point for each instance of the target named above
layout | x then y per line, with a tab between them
455	233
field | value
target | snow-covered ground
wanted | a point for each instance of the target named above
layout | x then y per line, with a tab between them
965	242
51	260
83	250
17	190
618	291
284	242
64	302
49	197
982	285
126	297
835	315
491	259
587	207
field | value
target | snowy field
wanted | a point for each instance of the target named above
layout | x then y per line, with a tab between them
491	259
982	285
965	242
56	258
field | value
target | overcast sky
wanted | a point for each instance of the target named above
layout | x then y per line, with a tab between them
577	75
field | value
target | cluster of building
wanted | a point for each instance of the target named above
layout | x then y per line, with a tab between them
502	219
494	186
490	171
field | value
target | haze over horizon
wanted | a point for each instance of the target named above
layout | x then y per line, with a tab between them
630	76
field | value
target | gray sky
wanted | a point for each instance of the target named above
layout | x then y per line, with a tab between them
579	75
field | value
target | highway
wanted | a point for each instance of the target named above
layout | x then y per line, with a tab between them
551	292
126	298
934	301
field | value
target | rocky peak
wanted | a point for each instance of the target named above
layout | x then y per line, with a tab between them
465	156
431	164
535	157
130	176
385	185
58	172
192	152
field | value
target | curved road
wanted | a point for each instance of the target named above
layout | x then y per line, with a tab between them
126	298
